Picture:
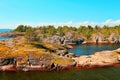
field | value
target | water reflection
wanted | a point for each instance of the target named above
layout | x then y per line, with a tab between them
93	74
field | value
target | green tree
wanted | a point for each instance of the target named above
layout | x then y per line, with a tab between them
60	31
65	29
81	29
31	35
73	28
51	30
20	28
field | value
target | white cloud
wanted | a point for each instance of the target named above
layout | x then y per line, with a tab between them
109	22
7	26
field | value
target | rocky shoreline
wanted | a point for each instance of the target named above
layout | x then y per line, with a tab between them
96	39
50	56
97	60
11	34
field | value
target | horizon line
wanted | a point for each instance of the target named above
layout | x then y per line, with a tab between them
108	22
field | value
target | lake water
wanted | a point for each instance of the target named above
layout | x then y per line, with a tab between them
112	73
87	49
4	30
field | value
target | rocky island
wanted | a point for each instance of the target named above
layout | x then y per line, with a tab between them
44	49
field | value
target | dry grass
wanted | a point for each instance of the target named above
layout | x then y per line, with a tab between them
115	54
63	61
42	52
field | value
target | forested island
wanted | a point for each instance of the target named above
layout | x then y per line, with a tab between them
45	48
88	34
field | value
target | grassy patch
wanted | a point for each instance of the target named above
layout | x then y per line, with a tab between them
63	61
115	54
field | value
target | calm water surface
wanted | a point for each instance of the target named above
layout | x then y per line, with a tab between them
4	30
112	73
87	49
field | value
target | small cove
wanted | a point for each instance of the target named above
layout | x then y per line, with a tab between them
2	31
87	49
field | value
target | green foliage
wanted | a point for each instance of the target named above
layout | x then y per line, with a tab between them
21	28
81	29
51	30
31	35
47	31
60	31
37	34
86	31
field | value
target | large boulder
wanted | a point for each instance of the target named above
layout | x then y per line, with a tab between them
98	38
114	38
99	58
117	50
53	39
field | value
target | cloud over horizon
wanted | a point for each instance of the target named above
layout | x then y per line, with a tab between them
108	22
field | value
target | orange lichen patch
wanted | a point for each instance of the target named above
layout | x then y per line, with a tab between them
19	40
40	51
19	53
115	54
21	62
5	51
63	61
52	46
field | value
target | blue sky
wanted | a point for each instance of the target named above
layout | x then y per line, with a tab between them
35	12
